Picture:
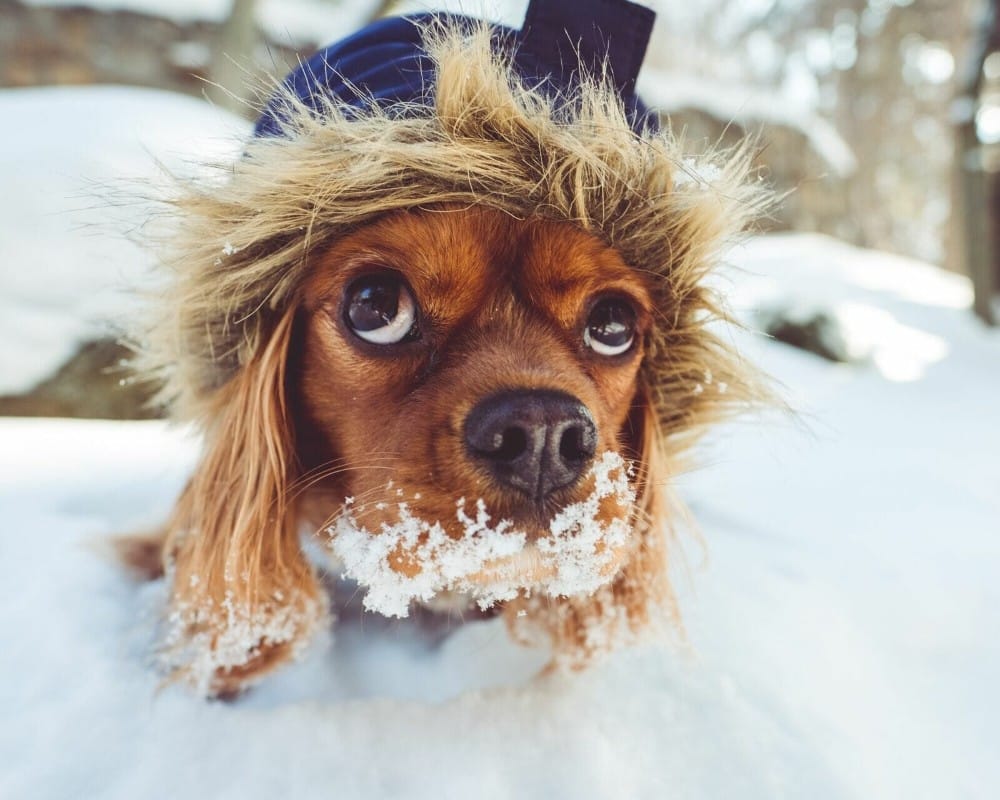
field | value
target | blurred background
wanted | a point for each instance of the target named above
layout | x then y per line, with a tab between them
879	123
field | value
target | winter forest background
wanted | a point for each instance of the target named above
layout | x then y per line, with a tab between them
859	102
841	596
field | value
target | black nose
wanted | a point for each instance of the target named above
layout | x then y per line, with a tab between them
532	440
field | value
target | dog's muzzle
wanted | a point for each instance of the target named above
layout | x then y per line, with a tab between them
534	441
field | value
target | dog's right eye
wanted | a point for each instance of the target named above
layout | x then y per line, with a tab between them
380	309
610	329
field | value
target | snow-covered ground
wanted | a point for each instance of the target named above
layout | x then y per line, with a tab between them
73	171
842	602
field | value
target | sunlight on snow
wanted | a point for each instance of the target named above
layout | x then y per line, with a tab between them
909	280
900	352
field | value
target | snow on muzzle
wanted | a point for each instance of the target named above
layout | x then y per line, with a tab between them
413	559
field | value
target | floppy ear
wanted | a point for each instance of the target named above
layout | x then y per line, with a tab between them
582	628
244	598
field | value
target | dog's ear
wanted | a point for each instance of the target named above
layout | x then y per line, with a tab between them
243	595
582	628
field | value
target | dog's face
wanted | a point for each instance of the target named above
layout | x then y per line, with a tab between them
456	355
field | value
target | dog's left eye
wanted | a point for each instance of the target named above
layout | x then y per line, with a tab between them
610	328
380	309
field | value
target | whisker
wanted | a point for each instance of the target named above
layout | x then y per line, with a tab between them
303	485
341	463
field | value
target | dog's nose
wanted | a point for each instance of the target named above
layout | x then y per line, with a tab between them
536	441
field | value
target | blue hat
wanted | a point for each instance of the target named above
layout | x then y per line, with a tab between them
386	63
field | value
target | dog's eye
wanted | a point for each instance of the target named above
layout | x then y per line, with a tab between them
380	309
610	327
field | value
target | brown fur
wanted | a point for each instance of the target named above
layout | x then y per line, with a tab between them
232	547
508	301
507	212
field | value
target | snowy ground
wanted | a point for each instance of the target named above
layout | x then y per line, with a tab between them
842	604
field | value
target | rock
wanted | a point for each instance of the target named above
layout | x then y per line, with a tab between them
95	382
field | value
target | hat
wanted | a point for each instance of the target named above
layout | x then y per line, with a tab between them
561	41
422	111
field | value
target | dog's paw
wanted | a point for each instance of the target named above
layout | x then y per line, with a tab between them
230	682
223	648
141	553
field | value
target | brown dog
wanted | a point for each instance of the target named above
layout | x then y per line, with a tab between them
467	357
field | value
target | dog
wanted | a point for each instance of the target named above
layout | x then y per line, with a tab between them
462	341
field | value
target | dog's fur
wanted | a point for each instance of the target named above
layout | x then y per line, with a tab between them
507	212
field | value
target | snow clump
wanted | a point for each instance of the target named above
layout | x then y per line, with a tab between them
413	559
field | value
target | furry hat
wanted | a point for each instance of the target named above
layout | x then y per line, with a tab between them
481	133
387	62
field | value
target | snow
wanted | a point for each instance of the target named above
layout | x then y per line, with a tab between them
200	656
673	91
841	601
505	12
871	318
61	274
314	21
180	11
294	21
491	561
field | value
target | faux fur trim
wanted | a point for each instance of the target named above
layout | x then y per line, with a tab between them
243	243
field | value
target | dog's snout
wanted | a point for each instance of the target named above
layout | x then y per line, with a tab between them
535	441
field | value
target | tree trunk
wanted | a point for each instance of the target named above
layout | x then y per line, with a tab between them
233	57
976	210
